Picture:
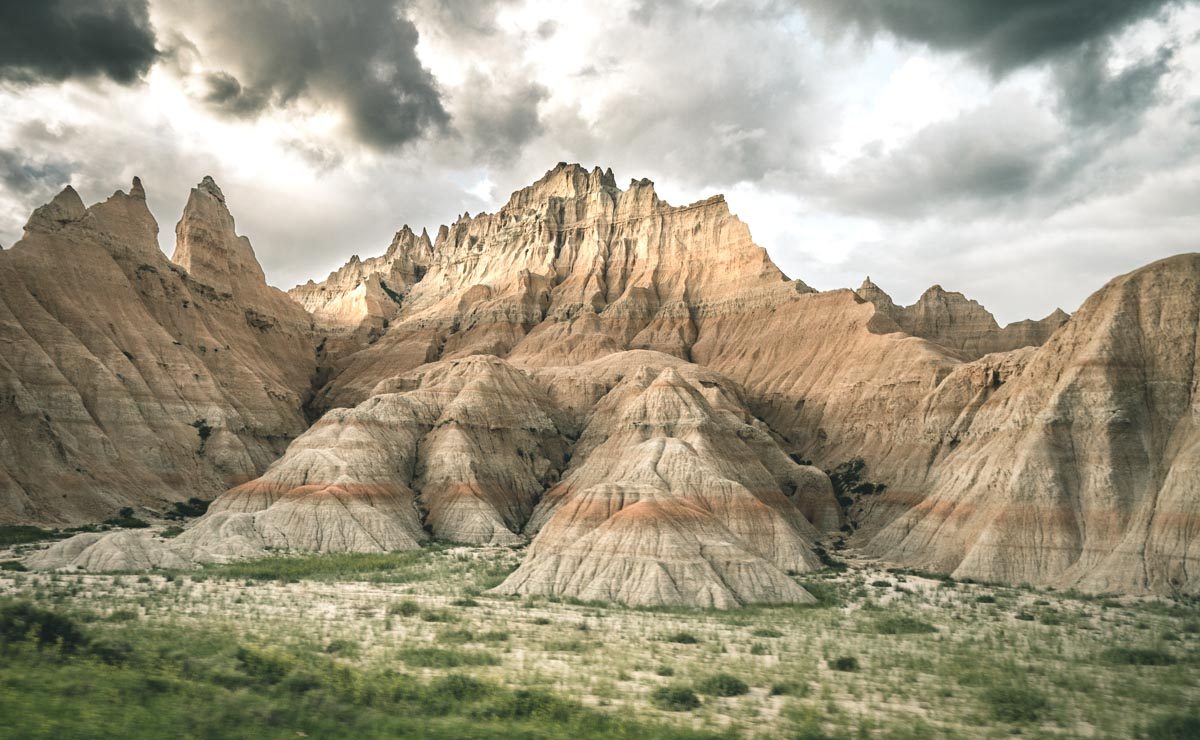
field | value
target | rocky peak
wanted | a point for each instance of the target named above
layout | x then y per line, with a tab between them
208	246
65	207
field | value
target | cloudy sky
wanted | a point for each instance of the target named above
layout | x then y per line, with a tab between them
1022	152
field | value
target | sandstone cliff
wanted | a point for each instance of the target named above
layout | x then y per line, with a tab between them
1076	463
125	380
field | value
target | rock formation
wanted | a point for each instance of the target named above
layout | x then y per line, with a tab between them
1077	463
125	380
631	387
354	305
957	322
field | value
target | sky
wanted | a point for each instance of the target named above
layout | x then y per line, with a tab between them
1021	152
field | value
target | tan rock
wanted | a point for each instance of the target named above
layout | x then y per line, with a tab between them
126	381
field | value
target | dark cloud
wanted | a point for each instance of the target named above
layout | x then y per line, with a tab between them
497	118
357	57
26	177
54	40
1090	96
1003	35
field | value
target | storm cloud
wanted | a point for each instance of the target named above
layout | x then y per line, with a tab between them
357	58
54	40
1002	35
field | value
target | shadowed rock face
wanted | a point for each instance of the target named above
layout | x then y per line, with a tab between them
125	380
1076	464
625	384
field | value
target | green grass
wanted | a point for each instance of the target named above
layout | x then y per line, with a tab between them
208	685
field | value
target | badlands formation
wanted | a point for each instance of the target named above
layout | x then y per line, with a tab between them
631	388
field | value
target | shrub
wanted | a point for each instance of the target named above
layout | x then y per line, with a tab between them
1174	727
437	615
847	663
464	602
541	620
1015	703
766	632
675	698
759	648
1138	656
406	608
683	638
20	534
529	703
13	565
455	637
985	599
723	684
268	665
443	658
193	507
171	532
664	670
460	687
125	518
903	625
24	622
1024	616
567	646
349	648
493	636
789	688
881	584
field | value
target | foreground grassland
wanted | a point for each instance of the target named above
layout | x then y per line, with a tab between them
409	644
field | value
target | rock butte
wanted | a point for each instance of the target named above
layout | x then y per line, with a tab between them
632	388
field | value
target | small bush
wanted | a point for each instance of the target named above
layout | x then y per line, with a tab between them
24	622
1174	727
406	608
903	625
125	518
766	632
985	599
1138	656
493	636
541	620
567	646
348	648
468	602
881	584
846	663
438	615
455	637
664	670
683	638
13	565
789	688
1015	703
443	658
759	648
191	508
1024	616
675	698
723	684
20	534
